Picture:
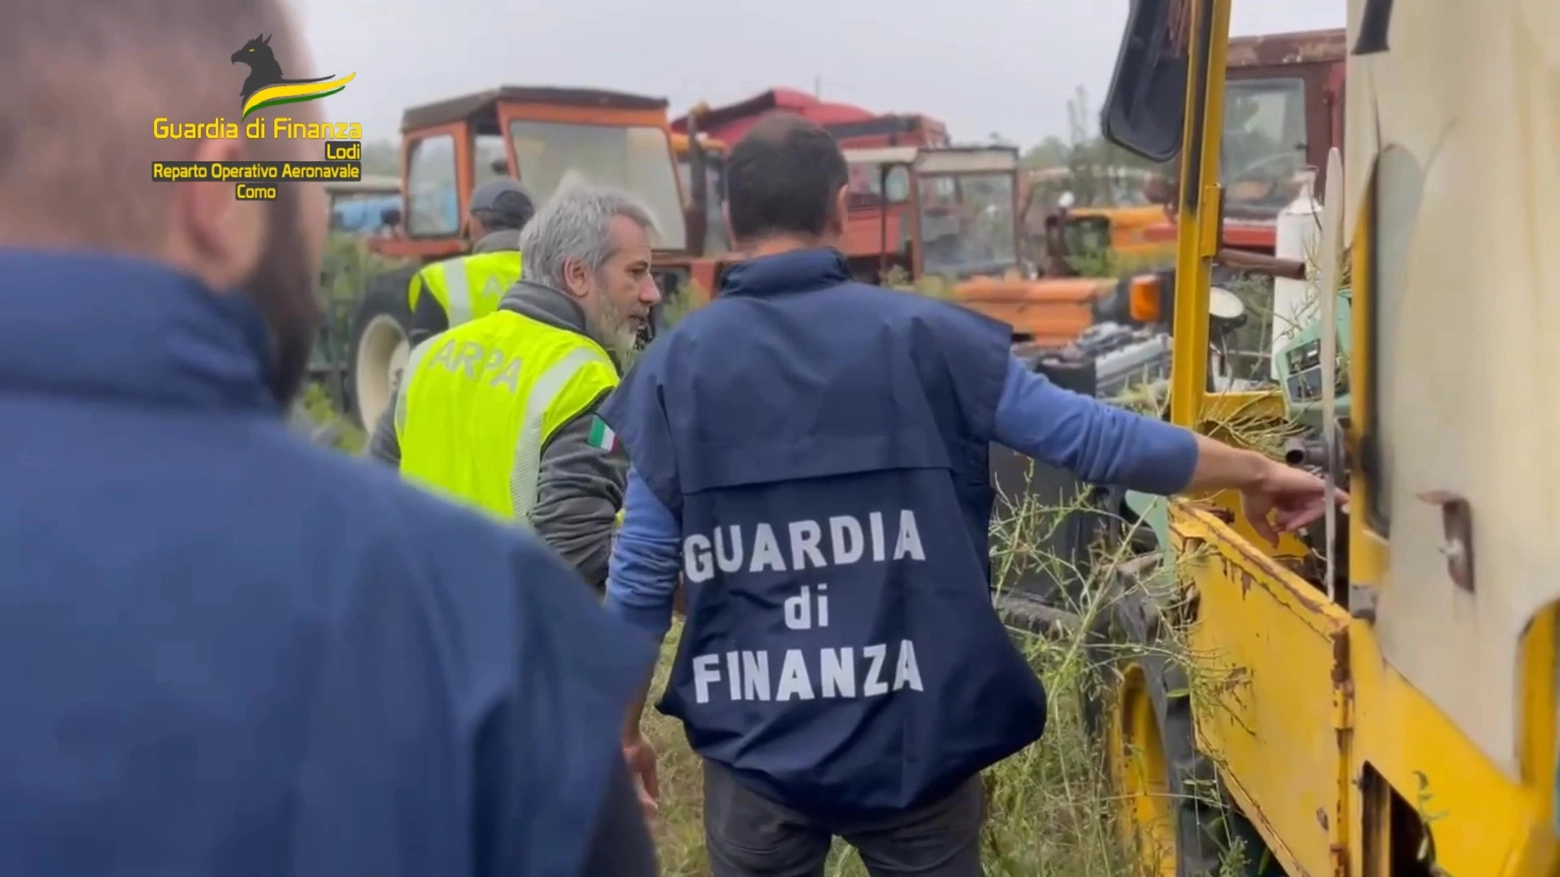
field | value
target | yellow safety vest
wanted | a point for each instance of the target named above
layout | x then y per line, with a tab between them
482	399
467	287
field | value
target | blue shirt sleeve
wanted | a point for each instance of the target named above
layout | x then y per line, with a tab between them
1098	442
642	576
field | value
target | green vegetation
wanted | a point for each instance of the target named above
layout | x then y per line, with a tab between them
1052	808
382	157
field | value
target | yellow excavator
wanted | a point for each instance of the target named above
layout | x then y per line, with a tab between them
1377	695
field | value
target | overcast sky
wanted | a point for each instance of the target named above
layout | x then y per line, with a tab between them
982	66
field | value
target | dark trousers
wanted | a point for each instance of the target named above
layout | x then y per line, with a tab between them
748	835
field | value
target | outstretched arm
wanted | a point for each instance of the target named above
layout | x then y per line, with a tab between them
1105	444
1098	442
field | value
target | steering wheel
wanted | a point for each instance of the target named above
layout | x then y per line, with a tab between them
1252	170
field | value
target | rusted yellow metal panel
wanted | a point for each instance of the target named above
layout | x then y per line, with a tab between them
1269	690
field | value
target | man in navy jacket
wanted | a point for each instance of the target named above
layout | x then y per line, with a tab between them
227	652
810	453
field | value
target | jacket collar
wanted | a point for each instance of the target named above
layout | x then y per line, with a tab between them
552	307
119	327
501	241
796	271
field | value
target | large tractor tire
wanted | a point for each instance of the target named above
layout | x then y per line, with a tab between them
1167	791
381	327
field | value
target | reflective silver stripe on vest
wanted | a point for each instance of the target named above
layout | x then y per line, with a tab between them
457	289
528	450
408	371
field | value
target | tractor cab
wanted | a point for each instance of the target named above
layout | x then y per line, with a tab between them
966	212
546	138
947	212
1283	110
948	217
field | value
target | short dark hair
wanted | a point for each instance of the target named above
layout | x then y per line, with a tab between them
782	178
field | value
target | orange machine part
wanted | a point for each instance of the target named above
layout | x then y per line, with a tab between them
1050	312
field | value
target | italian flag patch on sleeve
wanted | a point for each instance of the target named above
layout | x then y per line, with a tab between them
601	435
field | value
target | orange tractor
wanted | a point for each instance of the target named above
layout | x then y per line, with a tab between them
546	138
932	211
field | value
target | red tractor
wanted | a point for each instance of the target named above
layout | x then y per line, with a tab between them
1283	110
717	129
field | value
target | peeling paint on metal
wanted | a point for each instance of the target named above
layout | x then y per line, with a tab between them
1300	47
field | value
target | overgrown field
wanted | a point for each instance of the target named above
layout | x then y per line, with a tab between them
1052	810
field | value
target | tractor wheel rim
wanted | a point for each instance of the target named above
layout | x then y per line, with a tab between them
1142	776
381	355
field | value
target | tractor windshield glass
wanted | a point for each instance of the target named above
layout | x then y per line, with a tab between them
639	160
1264	144
715	183
967	224
868	181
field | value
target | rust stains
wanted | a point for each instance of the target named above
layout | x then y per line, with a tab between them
1299	47
1312	599
1340	658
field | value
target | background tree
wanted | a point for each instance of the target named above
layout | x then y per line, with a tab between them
382	157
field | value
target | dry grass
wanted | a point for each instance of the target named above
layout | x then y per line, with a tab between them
1052	812
1052	808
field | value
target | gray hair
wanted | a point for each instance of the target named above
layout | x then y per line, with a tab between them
576	223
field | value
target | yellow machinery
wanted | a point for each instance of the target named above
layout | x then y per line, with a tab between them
1377	696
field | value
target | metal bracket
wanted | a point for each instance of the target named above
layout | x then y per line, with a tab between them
1362	603
1457	527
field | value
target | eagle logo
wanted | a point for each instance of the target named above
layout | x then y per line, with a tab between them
267	87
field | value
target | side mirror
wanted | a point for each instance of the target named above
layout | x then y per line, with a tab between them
1145	107
390	216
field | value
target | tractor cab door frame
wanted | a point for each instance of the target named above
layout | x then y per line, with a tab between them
880	163
1177	48
420	240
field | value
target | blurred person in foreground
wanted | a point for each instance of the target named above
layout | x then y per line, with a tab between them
229	652
810	453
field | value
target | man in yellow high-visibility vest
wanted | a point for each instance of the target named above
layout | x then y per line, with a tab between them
458	290
499	412
451	292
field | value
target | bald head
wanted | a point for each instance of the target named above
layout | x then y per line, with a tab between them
785	178
84	80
